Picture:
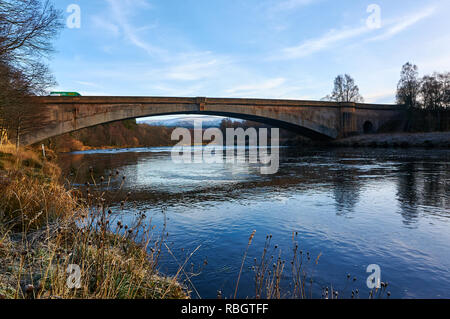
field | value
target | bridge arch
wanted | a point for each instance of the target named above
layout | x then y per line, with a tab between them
368	127
318	120
310	130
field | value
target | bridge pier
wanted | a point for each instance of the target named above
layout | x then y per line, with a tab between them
348	123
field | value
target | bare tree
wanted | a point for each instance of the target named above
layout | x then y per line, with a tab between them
409	86
345	90
27	28
434	96
444	79
19	112
431	92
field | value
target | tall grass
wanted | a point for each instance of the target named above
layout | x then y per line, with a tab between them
46	231
293	278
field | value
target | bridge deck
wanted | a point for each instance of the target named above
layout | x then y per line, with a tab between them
207	100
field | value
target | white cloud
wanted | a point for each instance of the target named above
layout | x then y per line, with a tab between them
120	11
334	37
439	63
404	23
274	88
380	96
187	66
324	42
101	22
172	89
287	5
195	68
256	87
89	84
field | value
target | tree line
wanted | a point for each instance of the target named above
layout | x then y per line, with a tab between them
430	92
126	133
426	99
27	29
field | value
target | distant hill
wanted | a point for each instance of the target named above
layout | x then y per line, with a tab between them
185	122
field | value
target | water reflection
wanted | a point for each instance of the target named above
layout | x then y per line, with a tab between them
420	183
407	193
420	186
357	207
345	191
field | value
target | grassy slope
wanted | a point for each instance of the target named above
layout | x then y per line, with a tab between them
44	228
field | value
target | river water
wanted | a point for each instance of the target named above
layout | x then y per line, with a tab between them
353	207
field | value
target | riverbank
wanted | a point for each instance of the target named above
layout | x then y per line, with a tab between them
47	231
427	140
124	134
388	140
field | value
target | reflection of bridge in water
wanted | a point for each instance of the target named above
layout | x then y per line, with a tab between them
345	175
319	120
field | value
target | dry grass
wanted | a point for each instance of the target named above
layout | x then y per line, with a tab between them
276	278
30	194
46	229
29	203
112	265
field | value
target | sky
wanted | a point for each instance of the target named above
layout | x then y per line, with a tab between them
287	49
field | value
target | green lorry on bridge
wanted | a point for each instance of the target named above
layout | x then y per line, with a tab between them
64	94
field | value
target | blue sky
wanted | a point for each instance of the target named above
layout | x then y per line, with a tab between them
248	48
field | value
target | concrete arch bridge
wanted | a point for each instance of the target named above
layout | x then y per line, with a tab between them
315	119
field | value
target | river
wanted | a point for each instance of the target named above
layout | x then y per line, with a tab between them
353	207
